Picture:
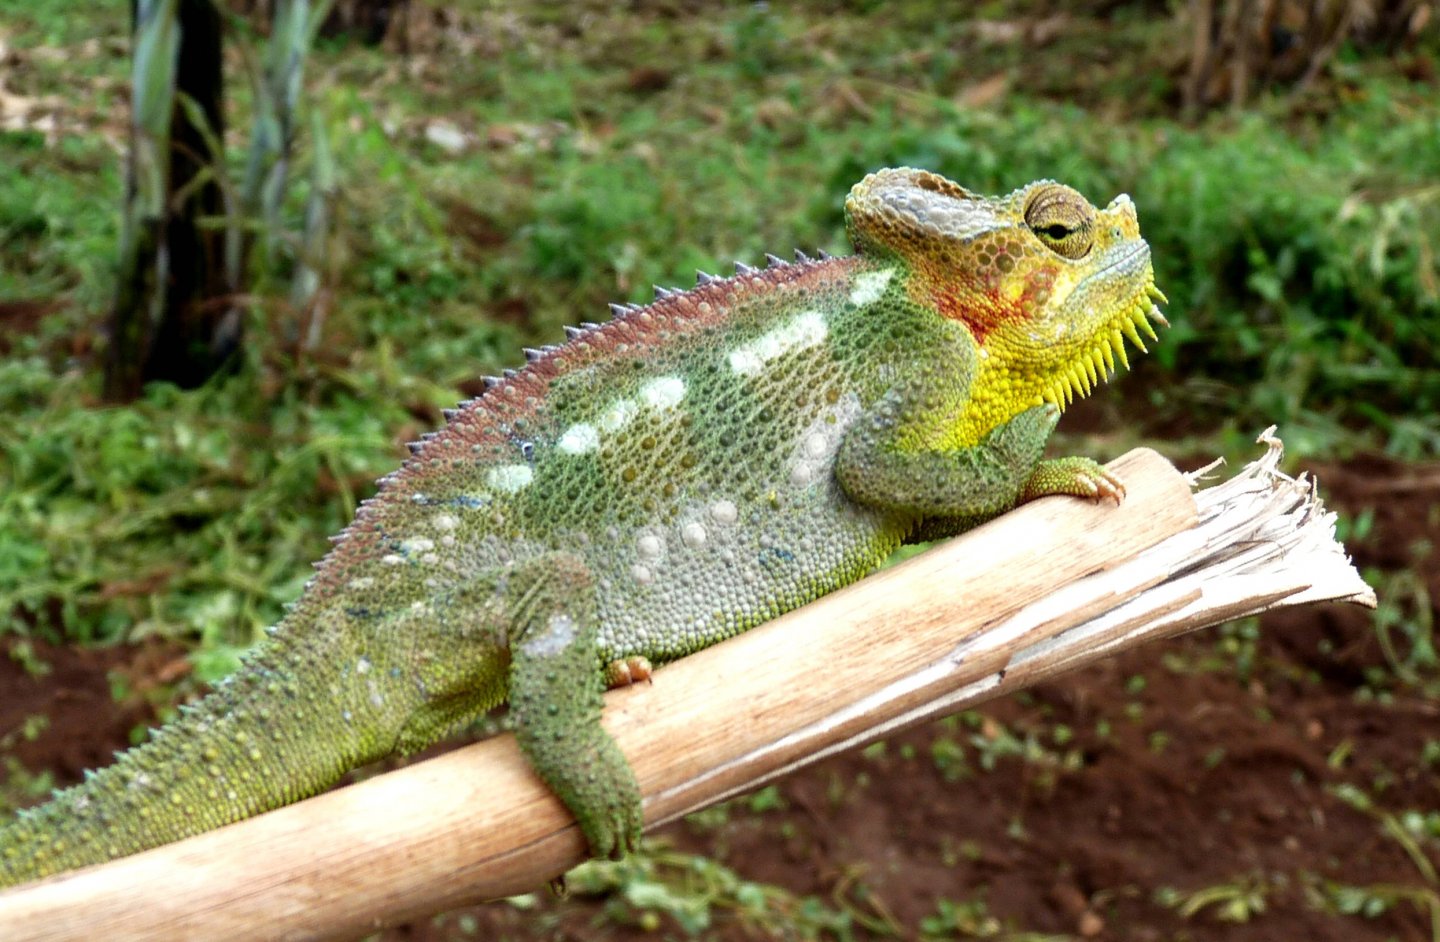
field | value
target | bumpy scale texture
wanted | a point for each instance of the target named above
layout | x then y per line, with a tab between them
657	483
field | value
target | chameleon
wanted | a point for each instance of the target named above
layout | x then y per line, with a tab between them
657	483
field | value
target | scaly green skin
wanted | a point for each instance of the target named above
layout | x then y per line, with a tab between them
671	478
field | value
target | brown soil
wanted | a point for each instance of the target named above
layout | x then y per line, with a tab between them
1196	777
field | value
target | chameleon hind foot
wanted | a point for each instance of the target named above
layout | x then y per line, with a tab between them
627	671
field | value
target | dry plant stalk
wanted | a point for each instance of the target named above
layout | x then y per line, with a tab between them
1237	47
1045	589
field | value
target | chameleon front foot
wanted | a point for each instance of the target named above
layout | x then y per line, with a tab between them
1077	477
627	671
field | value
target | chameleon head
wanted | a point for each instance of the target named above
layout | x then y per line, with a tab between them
1049	286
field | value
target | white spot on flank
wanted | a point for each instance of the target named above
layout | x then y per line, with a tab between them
650	545
619	415
641	573
392	559
693	535
813	456
510	477
869	286
579	439
724	512
663	393
806	329
556	636
417	544
445	522
362	666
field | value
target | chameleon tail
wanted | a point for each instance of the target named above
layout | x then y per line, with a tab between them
285	726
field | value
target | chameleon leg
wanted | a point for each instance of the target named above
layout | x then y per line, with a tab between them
875	467
627	671
556	683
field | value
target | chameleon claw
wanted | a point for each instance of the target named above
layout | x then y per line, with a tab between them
1108	487
1076	477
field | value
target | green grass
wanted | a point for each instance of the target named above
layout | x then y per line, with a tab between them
693	891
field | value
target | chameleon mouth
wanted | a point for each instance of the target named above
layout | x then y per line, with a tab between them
1107	347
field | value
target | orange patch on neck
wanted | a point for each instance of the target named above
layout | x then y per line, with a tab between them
989	308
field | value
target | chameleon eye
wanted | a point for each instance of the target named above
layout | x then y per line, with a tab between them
1062	219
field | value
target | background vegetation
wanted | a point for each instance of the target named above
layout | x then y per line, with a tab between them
504	169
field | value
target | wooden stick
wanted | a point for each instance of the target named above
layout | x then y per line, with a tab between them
1045	589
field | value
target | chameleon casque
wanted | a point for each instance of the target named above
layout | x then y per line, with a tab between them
650	487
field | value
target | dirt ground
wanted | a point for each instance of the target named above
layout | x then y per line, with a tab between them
1175	775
